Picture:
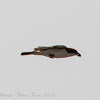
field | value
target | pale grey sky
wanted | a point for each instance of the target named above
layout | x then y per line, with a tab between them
26	24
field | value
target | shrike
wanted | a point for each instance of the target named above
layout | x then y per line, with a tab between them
57	51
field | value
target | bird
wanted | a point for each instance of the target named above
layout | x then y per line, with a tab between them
56	51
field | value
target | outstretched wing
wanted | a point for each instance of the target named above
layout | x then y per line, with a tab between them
52	47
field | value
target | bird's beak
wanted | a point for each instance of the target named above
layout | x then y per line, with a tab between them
78	54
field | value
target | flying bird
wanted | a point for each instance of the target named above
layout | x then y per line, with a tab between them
57	51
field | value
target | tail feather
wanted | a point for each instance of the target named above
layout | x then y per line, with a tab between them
26	53
31	53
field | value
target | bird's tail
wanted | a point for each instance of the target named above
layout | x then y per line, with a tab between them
26	53
31	53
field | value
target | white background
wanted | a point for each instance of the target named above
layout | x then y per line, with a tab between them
26	24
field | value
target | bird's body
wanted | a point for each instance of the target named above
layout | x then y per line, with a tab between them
58	51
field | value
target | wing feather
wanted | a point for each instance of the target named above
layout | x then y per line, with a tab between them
52	47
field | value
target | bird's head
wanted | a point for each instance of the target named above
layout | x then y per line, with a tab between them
73	51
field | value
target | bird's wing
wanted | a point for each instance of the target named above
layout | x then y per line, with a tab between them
59	46
52	47
42	48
